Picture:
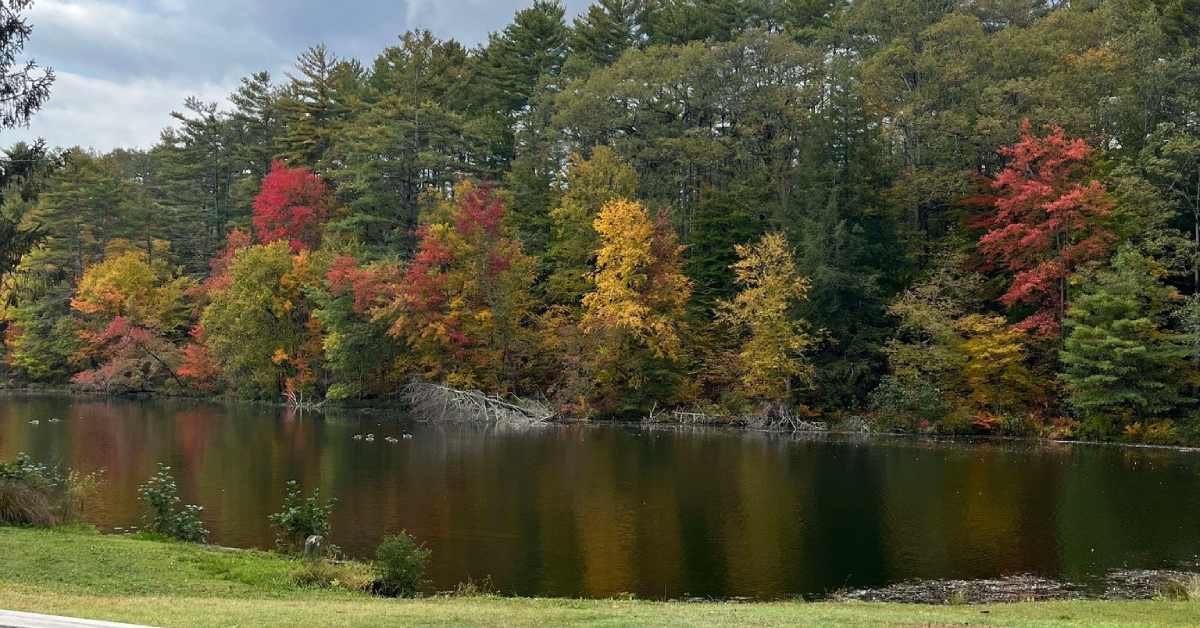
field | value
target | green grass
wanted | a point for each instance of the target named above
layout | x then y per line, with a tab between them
80	573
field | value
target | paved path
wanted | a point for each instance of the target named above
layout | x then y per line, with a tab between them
16	619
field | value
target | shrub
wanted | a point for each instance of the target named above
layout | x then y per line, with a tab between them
474	588
904	403
28	492
1156	433
165	515
400	565
35	494
300	518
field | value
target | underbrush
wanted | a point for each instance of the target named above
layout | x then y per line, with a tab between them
34	494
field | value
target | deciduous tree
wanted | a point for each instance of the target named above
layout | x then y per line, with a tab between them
634	311
292	206
772	355
1047	222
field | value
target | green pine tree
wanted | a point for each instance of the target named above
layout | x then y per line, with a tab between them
1121	363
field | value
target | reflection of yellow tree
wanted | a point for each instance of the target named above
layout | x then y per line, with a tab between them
755	539
606	521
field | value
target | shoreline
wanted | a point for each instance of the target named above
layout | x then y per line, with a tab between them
78	572
727	427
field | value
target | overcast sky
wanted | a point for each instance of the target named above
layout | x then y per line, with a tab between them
123	65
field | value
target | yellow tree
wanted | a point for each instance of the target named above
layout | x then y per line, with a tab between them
590	184
126	284
773	343
995	370
633	312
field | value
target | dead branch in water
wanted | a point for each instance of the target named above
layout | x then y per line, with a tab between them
434	402
293	399
774	418
779	418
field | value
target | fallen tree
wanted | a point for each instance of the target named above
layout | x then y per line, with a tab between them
434	402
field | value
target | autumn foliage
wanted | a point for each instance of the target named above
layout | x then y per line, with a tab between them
770	357
292	205
463	303
633	314
1046	223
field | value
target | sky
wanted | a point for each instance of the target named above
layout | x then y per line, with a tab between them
124	65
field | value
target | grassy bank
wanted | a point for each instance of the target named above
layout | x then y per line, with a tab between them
80	573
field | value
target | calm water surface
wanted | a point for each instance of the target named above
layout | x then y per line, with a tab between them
601	510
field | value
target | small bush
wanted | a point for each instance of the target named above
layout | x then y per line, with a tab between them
1156	433
905	403
475	588
1186	590
165	514
35	494
78	488
400	565
300	518
27	493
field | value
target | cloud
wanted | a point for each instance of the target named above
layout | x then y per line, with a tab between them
123	65
104	114
108	40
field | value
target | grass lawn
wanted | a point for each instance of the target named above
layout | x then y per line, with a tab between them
80	573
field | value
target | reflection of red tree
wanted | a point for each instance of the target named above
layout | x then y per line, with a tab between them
193	434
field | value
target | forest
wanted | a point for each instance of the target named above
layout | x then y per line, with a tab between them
946	216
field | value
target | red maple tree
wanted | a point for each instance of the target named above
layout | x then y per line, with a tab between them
368	284
1045	223
292	205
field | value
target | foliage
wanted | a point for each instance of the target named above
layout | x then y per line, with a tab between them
950	178
166	515
27	493
1121	363
464	303
134	311
292	206
258	327
25	86
634	311
301	517
996	370
772	353
360	358
590	184
400	565
1046	223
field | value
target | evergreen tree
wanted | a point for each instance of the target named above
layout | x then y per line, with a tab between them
24	87
314	103
605	31
255	129
1121	363
388	157
723	221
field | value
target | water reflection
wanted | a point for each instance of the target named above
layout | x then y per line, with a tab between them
597	511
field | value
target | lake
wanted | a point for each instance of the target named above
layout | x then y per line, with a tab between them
600	510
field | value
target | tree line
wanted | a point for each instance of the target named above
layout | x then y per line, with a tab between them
950	215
